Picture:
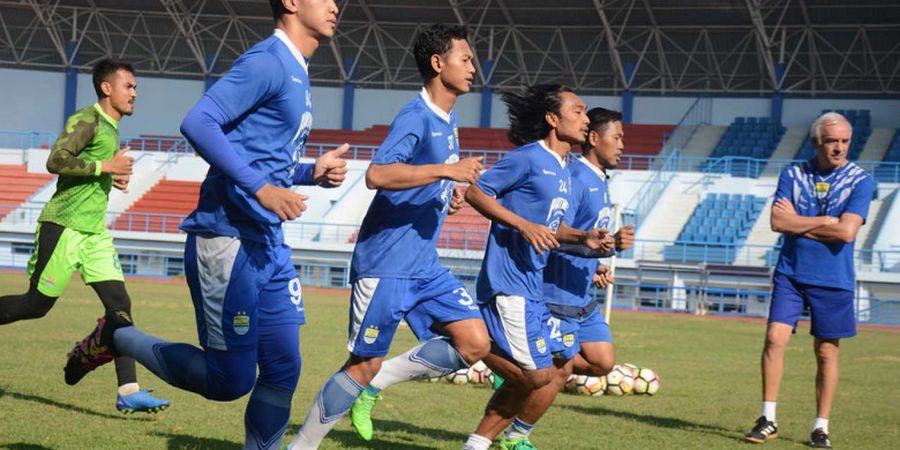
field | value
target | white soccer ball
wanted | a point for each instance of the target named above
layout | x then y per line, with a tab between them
620	381
646	382
480	373
461	376
589	386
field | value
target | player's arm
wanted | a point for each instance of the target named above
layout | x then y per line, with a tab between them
63	158
249	83
328	171
540	237
399	176
594	243
784	219
843	229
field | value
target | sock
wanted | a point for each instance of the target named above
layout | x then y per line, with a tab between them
768	410
372	390
332	402
822	423
476	442
126	372
519	429
128	389
180	365
266	417
432	358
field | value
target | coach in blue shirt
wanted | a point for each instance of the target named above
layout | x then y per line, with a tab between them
819	206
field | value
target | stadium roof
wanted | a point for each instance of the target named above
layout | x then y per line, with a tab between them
690	47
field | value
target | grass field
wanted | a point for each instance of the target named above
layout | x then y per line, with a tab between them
709	395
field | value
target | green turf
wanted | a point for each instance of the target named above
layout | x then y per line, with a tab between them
709	396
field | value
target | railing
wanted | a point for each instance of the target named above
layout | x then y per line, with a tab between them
637	210
26	140
699	113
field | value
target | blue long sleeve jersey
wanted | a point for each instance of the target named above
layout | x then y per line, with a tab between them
251	127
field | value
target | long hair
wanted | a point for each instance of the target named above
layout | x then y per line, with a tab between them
527	109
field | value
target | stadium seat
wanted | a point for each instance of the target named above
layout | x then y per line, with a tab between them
719	224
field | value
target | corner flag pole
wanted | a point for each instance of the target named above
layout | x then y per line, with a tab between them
610	290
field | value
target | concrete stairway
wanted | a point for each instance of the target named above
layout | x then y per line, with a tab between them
877	144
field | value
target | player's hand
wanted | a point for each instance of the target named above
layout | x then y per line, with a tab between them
467	170
330	169
598	239
625	238
539	236
603	277
120	182
456	202
284	202
119	164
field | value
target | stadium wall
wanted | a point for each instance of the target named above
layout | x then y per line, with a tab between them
163	102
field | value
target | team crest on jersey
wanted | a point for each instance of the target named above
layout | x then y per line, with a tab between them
371	334
541	345
558	208
241	323
569	340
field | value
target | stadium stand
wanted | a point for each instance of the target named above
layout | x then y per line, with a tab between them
465	230
752	137
717	227
885	172
22	187
862	128
161	208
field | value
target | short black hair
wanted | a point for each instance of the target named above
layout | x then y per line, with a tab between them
437	39
527	109
103	69
278	9
601	118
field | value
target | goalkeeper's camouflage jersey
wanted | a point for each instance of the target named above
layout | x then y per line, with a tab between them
82	191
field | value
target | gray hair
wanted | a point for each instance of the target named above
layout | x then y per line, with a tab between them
831	117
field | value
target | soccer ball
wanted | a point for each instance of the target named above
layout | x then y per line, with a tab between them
634	368
589	386
646	382
480	373
461	376
619	381
435	379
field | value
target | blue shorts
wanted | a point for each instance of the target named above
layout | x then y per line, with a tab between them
568	333
519	327
239	287
378	304
831	309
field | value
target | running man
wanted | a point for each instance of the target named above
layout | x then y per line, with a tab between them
71	232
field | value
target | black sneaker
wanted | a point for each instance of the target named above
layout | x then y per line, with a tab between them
96	349
764	430
819	439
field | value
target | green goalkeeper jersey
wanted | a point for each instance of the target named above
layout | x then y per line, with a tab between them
82	191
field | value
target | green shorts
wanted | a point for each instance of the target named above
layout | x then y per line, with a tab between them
91	254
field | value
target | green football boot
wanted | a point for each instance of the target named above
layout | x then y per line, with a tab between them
516	444
361	414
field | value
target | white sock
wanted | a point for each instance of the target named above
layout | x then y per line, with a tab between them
768	410
822	423
331	403
129	388
476	442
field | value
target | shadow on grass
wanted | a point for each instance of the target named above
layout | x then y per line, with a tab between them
181	441
382	427
24	446
66	406
670	422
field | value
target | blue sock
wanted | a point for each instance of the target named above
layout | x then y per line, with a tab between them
372	390
519	429
181	365
331	403
266	417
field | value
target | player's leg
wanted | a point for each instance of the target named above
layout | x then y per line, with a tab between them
597	355
130	397
833	318
376	307
224	288
447	309
519	332
280	316
565	345
49	271
784	312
